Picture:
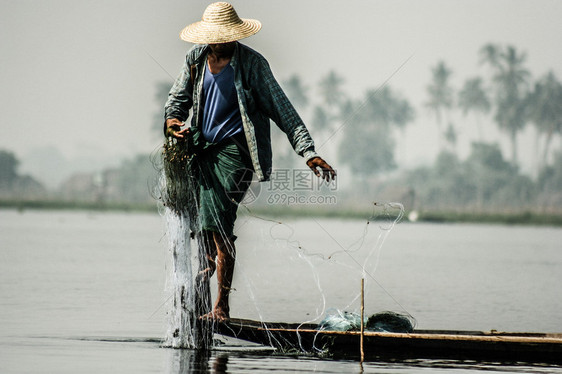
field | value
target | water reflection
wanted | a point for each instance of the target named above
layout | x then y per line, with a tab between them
188	361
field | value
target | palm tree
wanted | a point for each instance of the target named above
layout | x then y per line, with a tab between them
490	54
451	136
545	109
331	89
388	108
296	91
510	79
513	82
368	147
440	93
320	119
473	98
329	110
8	169
348	110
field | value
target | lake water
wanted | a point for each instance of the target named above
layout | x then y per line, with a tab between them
85	291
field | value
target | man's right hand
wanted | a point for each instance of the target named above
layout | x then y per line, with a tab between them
328	173
174	128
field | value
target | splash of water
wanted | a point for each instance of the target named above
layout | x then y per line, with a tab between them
190	295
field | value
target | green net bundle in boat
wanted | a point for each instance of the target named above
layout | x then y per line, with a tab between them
337	320
390	322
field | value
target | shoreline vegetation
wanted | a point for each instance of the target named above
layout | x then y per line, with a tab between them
515	217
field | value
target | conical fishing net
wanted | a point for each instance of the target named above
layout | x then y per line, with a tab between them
190	298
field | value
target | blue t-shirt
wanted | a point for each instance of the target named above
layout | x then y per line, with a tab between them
221	114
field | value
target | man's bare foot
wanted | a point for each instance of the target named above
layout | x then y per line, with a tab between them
217	315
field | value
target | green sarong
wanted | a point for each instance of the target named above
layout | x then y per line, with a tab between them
225	174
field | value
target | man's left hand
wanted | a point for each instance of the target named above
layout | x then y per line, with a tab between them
327	174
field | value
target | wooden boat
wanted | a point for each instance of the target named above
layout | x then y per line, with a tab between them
438	344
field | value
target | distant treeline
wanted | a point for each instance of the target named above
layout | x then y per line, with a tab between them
13	185
507	96
366	130
131	184
483	187
484	182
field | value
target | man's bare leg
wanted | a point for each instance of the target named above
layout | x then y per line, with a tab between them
226	257
206	252
208	266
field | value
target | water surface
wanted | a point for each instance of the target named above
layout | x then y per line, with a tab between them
85	292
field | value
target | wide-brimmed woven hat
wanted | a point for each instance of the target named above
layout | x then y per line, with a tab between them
220	24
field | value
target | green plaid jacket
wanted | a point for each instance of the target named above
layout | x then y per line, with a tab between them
260	99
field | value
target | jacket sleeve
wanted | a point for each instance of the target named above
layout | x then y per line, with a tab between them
180	97
273	102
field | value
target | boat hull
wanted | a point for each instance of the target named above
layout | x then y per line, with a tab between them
464	345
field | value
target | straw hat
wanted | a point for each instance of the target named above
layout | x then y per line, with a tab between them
220	24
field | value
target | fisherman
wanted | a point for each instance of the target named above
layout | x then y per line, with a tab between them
232	94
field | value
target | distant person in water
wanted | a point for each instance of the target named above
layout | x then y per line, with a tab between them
233	95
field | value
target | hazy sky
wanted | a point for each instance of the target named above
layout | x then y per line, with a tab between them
80	75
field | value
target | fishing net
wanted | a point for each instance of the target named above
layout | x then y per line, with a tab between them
390	322
304	266
190	297
387	321
338	320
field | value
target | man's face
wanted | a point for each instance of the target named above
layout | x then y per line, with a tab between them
223	49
